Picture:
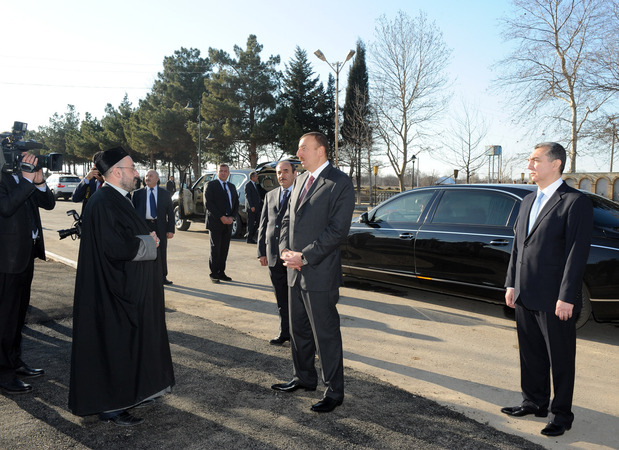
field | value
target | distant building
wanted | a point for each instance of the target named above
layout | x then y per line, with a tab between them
605	184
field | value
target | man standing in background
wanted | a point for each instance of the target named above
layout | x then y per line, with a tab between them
155	206
88	186
253	206
222	204
171	185
275	206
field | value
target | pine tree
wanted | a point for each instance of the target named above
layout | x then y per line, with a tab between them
302	102
356	128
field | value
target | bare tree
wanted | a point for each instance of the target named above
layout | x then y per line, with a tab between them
409	83
463	143
607	56
550	72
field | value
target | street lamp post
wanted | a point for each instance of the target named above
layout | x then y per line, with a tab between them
414	158
338	66
374	199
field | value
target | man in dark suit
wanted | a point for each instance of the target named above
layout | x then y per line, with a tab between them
88	186
171	185
313	229
222	203
544	282
155	206
253	206
275	206
21	241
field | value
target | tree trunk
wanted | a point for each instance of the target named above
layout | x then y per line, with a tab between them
574	145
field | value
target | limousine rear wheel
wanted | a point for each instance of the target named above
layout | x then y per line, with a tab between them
585	312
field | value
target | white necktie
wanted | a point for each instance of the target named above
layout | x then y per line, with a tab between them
535	210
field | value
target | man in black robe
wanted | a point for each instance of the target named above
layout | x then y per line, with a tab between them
120	354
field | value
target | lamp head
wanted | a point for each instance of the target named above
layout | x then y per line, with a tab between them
320	55
350	55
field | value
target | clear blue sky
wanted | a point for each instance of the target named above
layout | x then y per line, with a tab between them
89	54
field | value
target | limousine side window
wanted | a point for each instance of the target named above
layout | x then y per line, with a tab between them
473	207
404	208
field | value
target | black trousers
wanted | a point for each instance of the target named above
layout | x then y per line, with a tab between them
313	314
252	224
14	301
547	345
162	250
279	279
220	243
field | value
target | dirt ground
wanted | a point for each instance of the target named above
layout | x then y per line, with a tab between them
222	397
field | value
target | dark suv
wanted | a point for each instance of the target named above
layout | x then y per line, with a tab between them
194	204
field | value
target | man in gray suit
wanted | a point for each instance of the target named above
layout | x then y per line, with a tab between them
552	236
313	229
275	206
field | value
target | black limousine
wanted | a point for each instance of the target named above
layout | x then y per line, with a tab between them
457	239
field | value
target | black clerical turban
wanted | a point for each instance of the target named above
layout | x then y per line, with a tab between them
106	159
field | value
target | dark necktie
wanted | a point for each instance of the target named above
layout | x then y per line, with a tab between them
153	204
282	204
308	185
229	206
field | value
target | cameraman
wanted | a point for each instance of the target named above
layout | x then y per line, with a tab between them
21	240
91	182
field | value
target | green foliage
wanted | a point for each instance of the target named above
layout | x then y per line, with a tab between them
356	127
240	98
231	108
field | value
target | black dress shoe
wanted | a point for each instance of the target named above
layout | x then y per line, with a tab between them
27	371
327	404
279	340
552	429
124	419
520	411
15	386
214	279
225	277
166	281
291	386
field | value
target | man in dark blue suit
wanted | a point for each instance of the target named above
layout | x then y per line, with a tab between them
315	225
275	206
154	204
544	284
222	203
21	241
253	206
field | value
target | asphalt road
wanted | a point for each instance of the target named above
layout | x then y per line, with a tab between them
459	352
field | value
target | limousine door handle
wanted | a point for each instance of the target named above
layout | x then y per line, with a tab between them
407	235
500	242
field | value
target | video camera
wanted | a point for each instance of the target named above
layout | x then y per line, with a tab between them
76	230
12	147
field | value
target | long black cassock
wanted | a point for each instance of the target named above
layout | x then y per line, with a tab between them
120	354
